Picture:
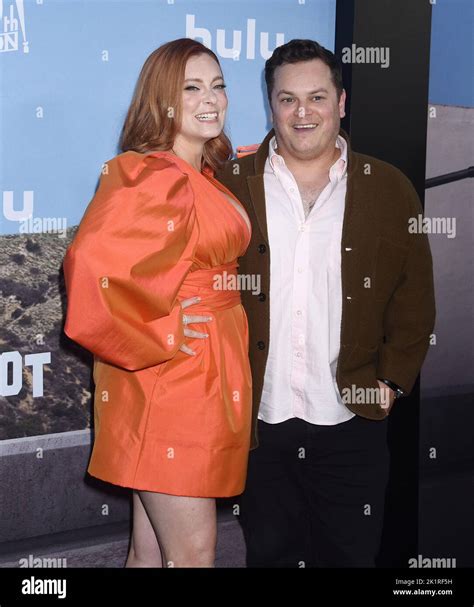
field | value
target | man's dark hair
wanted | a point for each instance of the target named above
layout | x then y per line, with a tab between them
298	50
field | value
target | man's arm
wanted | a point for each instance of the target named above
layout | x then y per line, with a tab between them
410	314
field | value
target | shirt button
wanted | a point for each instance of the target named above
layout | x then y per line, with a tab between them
262	297
260	345
302	228
261	248
299	312
292	189
300	270
299	355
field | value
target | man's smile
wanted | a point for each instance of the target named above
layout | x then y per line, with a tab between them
309	126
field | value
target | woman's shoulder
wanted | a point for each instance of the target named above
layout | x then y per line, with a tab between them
132	167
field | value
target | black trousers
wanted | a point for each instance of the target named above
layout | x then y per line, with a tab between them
315	494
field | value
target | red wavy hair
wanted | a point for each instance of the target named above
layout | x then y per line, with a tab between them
155	111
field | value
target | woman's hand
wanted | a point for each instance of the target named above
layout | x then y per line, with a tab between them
188	319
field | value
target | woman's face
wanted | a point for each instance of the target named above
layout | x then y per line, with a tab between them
204	100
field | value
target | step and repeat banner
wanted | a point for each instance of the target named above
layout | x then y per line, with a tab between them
67	73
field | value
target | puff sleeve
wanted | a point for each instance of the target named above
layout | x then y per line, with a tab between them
131	253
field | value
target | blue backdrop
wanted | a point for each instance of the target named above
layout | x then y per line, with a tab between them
64	100
452	52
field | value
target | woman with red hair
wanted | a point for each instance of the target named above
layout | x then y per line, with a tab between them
172	403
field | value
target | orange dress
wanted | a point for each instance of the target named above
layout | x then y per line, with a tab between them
156	232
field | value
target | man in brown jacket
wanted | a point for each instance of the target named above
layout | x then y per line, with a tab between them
339	329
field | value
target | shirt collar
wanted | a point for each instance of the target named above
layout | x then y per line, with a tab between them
337	170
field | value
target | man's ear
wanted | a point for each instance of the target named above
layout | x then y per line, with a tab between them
342	104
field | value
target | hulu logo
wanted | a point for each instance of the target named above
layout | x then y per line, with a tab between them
234	51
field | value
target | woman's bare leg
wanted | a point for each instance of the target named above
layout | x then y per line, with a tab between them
184	526
144	548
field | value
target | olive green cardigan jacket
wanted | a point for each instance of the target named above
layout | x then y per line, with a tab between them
386	321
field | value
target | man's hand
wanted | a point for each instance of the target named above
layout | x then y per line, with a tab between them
387	396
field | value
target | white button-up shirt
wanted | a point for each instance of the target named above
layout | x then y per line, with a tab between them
305	296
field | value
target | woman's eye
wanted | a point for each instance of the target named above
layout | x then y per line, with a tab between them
191	87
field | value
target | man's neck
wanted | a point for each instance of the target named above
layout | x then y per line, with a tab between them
314	168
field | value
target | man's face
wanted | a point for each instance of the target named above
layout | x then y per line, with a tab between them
306	112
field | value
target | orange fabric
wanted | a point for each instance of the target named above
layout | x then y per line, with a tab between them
245	150
157	232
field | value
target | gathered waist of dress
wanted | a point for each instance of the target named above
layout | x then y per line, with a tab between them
217	287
